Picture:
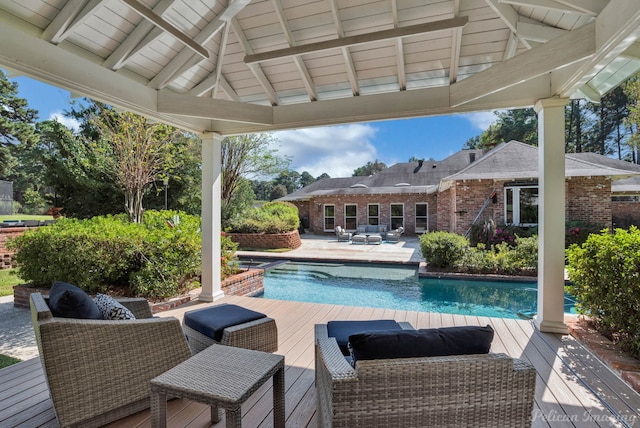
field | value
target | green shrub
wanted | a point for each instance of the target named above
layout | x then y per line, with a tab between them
443	249
272	217
157	259
522	259
605	279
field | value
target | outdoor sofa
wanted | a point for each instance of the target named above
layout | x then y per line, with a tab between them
369	229
477	390
98	371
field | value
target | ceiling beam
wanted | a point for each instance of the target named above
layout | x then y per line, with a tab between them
31	56
184	105
302	67
359	39
74	13
157	20
185	59
456	43
256	69
132	43
511	48
509	16
589	7
346	53
538	32
617	28
392	105
545	4
573	46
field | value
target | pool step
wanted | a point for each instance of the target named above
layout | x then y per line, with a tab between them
271	265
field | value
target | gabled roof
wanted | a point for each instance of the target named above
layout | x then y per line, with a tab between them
508	161
515	160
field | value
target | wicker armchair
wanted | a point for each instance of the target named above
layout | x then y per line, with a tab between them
99	371
489	390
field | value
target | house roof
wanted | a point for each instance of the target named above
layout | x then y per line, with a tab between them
629	185
401	178
508	161
245	66
515	160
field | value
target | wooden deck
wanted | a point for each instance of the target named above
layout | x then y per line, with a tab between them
574	389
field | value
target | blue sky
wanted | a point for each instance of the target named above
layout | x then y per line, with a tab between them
336	150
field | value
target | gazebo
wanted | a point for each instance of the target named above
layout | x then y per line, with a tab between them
221	68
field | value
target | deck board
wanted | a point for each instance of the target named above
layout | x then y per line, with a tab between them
562	364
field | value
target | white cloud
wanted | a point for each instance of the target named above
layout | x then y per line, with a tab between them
336	150
481	119
69	122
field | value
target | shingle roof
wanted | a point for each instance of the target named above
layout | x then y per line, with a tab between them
516	160
626	185
507	161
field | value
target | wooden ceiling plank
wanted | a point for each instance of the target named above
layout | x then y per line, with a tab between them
132	43
226	87
509	16
557	6
58	26
346	53
589	7
31	56
158	21
573	46
359	39
618	28
256	69
307	81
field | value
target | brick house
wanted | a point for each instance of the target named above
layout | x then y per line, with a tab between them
501	184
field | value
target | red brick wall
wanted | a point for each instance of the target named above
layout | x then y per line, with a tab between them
625	213
470	196
247	283
314	209
6	256
267	240
589	199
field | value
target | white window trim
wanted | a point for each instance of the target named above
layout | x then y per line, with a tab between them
369	217
516	205
324	217
426	217
391	216
345	217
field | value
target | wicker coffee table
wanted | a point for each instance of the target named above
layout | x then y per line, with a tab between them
220	376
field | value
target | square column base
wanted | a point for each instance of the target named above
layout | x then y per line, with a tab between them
550	326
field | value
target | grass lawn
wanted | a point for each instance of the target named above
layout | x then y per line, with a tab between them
6	361
7	281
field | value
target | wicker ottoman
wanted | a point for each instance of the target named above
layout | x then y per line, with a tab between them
230	325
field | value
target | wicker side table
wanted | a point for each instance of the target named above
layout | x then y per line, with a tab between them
220	376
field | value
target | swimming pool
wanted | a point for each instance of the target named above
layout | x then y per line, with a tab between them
398	287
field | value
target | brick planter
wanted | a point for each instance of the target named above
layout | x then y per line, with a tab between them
6	256
247	283
267	240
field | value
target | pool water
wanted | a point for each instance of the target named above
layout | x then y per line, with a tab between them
398	287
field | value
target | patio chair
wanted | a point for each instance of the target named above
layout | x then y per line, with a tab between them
342	235
394	235
442	391
98	371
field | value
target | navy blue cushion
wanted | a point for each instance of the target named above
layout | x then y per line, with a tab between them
341	330
69	301
421	343
212	321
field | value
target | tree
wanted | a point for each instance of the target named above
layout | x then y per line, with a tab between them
247	157
289	179
632	90
279	191
133	153
306	179
322	176
370	168
16	127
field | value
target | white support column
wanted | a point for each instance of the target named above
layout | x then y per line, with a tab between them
211	226
551	216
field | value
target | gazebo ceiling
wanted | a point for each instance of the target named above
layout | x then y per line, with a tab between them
259	65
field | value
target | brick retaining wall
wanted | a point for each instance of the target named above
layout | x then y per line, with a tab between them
6	256
267	240
247	283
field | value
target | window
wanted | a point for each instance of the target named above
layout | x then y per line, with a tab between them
422	218
521	205
350	217
329	218
373	214
397	216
